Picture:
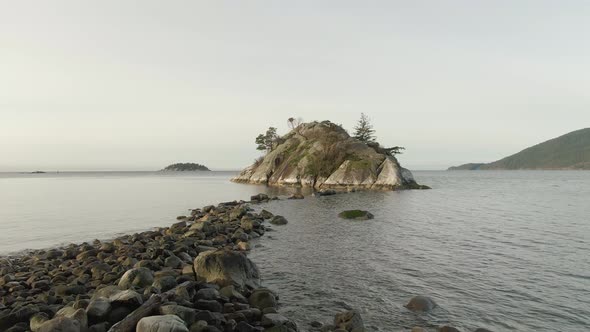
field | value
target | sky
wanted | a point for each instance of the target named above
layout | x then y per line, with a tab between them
138	85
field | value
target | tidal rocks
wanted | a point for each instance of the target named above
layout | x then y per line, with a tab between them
278	220
164	323
421	303
277	323
262	298
356	215
296	196
225	267
93	286
349	321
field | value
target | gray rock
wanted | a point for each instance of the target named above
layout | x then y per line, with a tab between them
188	315
421	303
98	309
208	294
278	220
225	267
356	215
61	324
262	298
349	321
266	214
37	320
137	277
165	323
173	262
210	305
128	298
164	283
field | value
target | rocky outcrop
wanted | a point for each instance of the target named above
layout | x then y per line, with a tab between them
322	155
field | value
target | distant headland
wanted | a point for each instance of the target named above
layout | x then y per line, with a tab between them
185	167
568	152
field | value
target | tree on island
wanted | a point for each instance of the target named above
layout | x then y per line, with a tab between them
363	131
267	140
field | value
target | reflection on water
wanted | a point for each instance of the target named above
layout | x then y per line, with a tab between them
501	250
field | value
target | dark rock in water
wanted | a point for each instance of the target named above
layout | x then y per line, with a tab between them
296	196
262	298
326	192
356	215
266	215
138	277
421	303
278	220
349	321
259	198
277	322
164	323
225	268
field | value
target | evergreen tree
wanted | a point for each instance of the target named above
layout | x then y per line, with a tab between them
363	131
267	140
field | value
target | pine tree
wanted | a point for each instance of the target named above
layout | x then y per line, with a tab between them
363	131
266	141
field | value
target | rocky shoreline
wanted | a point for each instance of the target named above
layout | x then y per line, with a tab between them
191	276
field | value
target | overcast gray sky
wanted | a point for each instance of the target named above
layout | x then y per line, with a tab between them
137	85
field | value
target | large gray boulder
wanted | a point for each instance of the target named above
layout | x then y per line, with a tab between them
226	267
137	277
164	323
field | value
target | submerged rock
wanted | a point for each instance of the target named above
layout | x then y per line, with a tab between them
421	303
356	215
349	321
278	220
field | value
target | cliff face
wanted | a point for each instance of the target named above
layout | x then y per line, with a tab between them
322	155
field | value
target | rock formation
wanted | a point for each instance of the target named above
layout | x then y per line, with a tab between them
322	155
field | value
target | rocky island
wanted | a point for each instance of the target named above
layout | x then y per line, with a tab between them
322	155
185	167
569	151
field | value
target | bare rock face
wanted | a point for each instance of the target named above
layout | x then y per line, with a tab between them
226	268
322	155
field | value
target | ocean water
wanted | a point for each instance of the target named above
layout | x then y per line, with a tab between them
504	250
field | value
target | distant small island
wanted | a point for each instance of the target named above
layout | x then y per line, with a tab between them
185	167
570	151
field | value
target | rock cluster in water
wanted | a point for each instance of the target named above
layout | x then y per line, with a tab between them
322	155
191	276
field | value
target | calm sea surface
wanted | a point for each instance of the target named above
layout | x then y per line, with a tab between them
508	251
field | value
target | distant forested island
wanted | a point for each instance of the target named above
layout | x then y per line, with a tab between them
184	167
570	151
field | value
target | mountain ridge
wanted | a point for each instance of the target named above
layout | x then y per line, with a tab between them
570	151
